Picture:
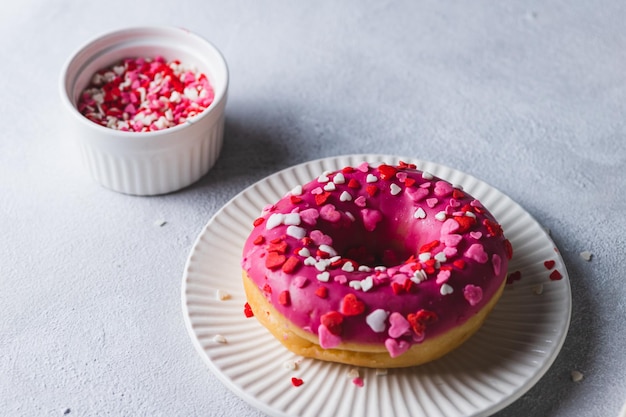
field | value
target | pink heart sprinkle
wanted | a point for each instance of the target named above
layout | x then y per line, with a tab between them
416	194
396	348
360	201
449	226
300	281
431	202
317	190
450	252
340	279
442	188
451	240
443	276
371	218
364	167
330	213
477	253
320	238
309	216
399	325
476	235
473	294
401	176
327	339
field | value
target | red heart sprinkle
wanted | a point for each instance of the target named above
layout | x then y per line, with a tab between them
555	275
397	288
295	199
348	170
247	310
321	292
371	190
291	264
274	260
458	194
459	263
409	182
267	288
354	184
549	264
321	198
259	240
429	246
284	298
296	381
493	228
351	306
387	171
278	246
465	222
258	221
332	320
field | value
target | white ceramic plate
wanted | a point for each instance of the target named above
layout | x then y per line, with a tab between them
515	347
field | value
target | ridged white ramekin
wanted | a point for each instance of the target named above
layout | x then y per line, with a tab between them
147	163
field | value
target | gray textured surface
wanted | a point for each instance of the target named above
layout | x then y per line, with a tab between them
527	96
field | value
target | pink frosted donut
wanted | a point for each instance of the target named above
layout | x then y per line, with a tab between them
383	266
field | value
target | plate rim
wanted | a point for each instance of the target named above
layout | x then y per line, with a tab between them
372	158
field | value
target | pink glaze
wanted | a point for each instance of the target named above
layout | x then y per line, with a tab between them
403	256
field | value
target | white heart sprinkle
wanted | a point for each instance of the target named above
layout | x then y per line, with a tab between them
304	252
330	187
441	257
322	264
324	276
339	178
274	220
427	175
355	285
345	196
371	178
348	267
329	250
297	190
586	255
292	219
419	213
441	216
367	283
310	261
323	178
446	289
395	189
424	256
218	338
419	276
296	232
365	268
376	320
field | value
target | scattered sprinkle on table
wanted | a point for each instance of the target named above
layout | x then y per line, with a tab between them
586	255
576	376
145	95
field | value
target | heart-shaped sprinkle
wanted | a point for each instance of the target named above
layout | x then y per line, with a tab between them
555	275
371	178
300	281
351	306
446	289
326	338
355	285
274	260
317	190
549	264
441	216
386	171
376	320
323	276
396	348
275	219
345	196
473	294
330	187
354	184
340	279
348	267
330	213
443	276
309	216
329	250
364	167
296	232
394	189
401	176
442	188
323	178
367	283
339	178
320	238
296	382
371	218
459	263
399	325
427	175
320	199
450	251
451	239
431	202
292	219
476	235
416	194
496	261
419	213
477	252
441	257
332	320
360	201
372	190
